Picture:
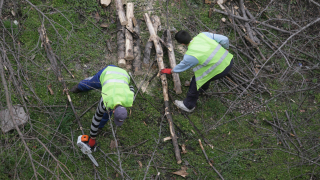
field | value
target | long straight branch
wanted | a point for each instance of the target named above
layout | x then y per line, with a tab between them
4	83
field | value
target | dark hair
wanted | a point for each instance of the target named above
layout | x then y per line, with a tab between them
183	37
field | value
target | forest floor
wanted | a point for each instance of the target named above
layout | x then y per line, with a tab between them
262	124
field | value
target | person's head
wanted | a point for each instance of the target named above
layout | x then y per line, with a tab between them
183	37
120	114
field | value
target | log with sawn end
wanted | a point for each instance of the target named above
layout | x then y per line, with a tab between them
164	82
172	60
129	40
121	13
120	43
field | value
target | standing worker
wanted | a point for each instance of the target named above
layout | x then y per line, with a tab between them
116	96
209	52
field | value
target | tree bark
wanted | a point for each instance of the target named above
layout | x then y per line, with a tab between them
120	43
129	40
159	52
172	60
121	13
147	51
137	51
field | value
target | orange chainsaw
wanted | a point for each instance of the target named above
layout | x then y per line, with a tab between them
82	143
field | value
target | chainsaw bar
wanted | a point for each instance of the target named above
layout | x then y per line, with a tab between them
93	160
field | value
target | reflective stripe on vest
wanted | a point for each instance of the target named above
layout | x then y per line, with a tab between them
213	67
208	59
119	73
115	89
213	58
114	80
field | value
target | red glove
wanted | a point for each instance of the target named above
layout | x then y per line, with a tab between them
92	142
165	71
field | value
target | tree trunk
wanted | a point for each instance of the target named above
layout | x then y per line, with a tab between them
121	13
120	42
159	52
129	40
147	51
172	59
137	51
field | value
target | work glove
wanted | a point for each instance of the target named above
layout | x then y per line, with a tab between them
131	88
92	142
166	71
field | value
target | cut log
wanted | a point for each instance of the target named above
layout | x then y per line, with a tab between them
121	13
147	51
172	60
137	69
129	40
105	3
159	52
120	42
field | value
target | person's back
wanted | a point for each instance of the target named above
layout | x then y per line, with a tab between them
211	60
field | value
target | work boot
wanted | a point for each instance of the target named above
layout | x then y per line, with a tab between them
180	105
75	89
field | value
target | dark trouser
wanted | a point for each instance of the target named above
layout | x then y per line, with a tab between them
193	94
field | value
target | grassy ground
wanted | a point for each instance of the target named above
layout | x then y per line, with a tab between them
244	145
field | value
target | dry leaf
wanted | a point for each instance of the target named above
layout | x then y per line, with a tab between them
51	91
184	150
167	138
221	1
182	172
112	144
140	164
104	25
223	19
13	13
256	70
96	16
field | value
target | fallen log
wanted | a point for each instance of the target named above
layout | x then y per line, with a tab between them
121	13
147	51
129	40
159	52
137	69
120	43
172	60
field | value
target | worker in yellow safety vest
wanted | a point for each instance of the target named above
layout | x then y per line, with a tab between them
116	96
208	54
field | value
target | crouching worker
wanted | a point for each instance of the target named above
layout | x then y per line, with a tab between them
208	53
116	96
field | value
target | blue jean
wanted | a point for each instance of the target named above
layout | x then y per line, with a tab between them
91	83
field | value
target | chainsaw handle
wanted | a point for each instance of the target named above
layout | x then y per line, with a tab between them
85	138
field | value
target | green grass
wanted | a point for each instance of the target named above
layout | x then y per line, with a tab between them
242	148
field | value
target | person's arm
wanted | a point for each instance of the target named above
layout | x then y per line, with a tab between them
101	109
221	39
187	62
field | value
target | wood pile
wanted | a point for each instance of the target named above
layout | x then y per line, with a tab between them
129	55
